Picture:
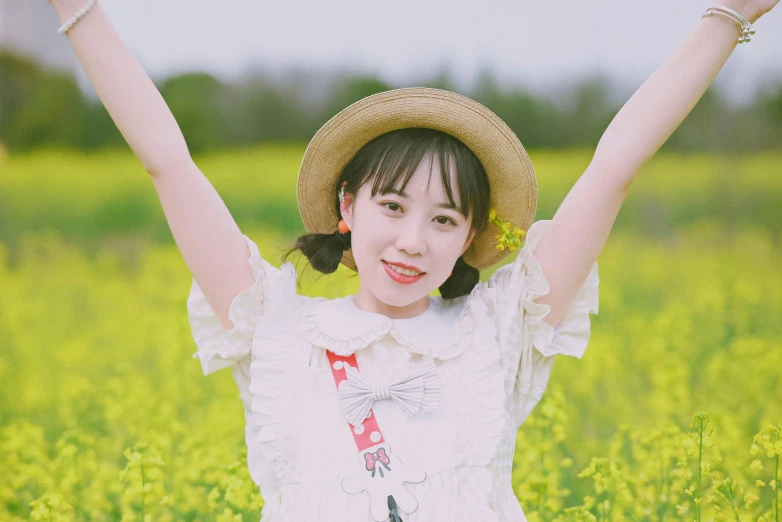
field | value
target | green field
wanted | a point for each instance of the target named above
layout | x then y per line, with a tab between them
105	415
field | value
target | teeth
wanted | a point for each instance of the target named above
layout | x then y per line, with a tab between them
404	271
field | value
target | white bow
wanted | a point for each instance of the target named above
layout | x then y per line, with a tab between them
417	389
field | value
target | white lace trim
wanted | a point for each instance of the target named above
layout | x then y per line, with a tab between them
572	334
483	401
528	343
219	348
338	325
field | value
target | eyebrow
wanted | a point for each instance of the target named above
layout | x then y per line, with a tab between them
439	205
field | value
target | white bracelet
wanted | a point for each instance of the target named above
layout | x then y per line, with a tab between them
745	27
78	16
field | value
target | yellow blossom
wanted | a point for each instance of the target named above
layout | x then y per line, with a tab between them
749	498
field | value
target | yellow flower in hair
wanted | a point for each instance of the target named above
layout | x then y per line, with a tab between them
508	238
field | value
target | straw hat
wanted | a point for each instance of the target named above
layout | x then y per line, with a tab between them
513	186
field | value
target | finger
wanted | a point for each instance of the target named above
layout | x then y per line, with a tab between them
354	484
404	499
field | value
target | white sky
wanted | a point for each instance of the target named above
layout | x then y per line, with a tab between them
536	44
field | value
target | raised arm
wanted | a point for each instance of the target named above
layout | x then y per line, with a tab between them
204	230
581	225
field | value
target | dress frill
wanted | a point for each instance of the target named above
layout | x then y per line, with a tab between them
572	334
507	507
324	325
482	400
219	348
272	409
442	346
514	287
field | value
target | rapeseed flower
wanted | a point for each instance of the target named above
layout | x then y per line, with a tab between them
511	234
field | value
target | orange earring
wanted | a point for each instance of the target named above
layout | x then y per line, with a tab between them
342	226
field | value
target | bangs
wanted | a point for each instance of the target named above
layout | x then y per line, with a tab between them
396	155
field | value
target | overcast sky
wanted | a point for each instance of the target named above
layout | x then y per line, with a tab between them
536	44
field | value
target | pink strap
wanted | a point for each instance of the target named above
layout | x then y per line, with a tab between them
363	440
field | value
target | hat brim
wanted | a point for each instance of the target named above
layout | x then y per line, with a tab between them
513	186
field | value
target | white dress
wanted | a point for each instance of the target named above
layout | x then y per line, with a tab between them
492	349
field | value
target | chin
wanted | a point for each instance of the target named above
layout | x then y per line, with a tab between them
395	299
403	297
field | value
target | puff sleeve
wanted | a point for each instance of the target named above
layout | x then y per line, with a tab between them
528	345
219	348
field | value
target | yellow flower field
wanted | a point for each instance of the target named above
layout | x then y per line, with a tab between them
105	415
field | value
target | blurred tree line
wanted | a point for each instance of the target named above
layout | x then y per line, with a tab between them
39	107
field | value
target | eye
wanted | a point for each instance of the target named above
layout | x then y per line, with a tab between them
389	204
446	217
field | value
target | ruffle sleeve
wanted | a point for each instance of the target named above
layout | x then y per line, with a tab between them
219	348
527	343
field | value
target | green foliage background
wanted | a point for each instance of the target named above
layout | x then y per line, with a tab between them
264	107
104	415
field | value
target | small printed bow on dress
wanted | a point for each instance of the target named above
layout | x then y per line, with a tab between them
416	389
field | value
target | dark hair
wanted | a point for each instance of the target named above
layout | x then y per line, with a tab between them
385	160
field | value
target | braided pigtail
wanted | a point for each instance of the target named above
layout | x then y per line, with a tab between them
461	282
324	251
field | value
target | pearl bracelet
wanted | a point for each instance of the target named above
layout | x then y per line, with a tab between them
78	16
746	27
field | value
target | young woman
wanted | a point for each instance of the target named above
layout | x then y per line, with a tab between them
391	403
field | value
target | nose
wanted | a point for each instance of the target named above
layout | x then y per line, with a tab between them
411	237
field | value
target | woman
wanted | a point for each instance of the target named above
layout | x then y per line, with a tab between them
425	188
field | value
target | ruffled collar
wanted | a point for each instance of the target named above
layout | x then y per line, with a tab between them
443	330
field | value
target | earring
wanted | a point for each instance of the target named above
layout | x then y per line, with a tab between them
342	226
341	194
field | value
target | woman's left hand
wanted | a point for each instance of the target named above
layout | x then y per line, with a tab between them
762	7
750	9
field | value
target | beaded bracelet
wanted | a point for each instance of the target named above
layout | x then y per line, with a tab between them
78	16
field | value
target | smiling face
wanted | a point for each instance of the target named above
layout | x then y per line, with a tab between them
415	226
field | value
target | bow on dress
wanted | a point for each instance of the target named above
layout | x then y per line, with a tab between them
416	389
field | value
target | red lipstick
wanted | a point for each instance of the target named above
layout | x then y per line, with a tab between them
409	267
401	278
